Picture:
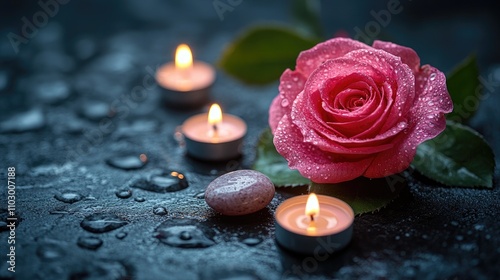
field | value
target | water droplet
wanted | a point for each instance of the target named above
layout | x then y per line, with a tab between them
185	235
130	162
200	195
176	232
140	199
284	102
100	268
50	251
102	222
402	125
167	182
68	197
94	110
22	122
89	242
50	90
121	235
160	211
432	76
123	193
251	241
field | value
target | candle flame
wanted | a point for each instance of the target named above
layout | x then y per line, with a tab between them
312	206
183	57
214	115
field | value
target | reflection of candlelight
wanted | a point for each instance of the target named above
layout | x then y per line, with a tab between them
214	118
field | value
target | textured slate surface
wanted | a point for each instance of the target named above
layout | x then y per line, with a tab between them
69	101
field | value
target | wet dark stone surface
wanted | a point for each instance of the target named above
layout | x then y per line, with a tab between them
69	102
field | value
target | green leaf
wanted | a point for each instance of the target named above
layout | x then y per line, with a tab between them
362	194
262	53
271	163
462	85
307	15
458	156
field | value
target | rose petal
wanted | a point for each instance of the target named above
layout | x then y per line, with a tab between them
408	55
276	112
324	139
309	60
398	74
310	161
291	84
427	121
387	65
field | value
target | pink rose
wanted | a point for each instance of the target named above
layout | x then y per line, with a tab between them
350	110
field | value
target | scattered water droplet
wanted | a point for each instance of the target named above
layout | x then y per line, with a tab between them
68	197
284	102
200	195
130	162
160	211
58	212
23	122
251	241
402	125
51	90
432	76
123	193
89	242
101	268
185	233
167	182
140	199
50	251
102	222
121	235
94	110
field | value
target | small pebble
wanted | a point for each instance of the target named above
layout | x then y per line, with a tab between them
239	192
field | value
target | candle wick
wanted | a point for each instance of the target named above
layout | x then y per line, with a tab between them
214	127
312	218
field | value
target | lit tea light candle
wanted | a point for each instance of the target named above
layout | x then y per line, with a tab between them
214	136
314	224
185	82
